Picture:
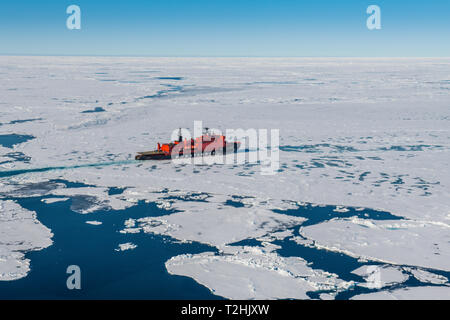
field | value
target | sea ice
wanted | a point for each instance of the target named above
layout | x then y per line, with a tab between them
377	276
20	232
217	227
405	243
411	293
126	246
369	133
252	273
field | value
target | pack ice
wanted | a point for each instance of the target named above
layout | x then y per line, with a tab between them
20	232
354	134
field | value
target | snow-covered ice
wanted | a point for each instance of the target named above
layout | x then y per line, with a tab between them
94	223
428	277
253	273
354	133
215	225
380	276
126	246
20	232
405	243
413	293
54	200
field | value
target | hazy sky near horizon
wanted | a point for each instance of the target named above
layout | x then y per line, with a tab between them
315	28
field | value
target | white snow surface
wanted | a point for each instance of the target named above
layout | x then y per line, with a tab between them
94	223
214	224
54	200
412	293
370	133
126	246
20	232
408	243
428	277
250	273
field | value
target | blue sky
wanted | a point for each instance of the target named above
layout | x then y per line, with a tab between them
315	28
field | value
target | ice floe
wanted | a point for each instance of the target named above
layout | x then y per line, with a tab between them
427	277
411	293
20	232
126	246
212	226
404	243
94	223
252	273
54	200
377	276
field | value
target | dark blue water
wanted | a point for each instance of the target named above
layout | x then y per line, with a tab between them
316	214
334	262
164	93
114	191
235	201
141	273
420	147
24	121
95	110
10	140
105	273
235	204
16	157
342	265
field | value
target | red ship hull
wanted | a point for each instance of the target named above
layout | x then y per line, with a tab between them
204	145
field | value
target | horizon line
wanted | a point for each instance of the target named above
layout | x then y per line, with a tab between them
216	56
